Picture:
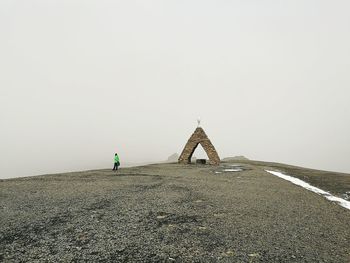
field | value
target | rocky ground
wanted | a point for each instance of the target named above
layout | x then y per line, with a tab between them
173	213
336	183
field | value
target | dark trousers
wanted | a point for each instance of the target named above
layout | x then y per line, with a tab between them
116	165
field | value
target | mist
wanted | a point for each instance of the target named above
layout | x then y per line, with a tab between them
81	80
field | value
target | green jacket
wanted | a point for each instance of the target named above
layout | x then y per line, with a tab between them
116	159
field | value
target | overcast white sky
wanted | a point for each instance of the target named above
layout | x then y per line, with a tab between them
82	79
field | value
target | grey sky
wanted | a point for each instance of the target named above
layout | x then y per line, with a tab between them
80	80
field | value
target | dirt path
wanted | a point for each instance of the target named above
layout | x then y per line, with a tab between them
169	213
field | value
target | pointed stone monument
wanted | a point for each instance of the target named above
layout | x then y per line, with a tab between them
199	137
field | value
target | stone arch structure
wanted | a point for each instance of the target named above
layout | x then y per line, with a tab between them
199	137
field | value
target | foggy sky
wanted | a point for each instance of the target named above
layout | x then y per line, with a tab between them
80	80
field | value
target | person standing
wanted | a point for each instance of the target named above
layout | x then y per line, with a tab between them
116	162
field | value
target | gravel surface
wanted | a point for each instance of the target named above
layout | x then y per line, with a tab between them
333	182
169	213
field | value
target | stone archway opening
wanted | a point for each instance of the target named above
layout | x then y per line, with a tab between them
198	153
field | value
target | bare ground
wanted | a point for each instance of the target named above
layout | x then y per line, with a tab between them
172	213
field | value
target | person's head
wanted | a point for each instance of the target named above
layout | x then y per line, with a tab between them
115	154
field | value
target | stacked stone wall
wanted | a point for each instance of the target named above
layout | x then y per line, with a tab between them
199	137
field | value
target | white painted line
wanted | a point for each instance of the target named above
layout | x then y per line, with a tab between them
314	189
